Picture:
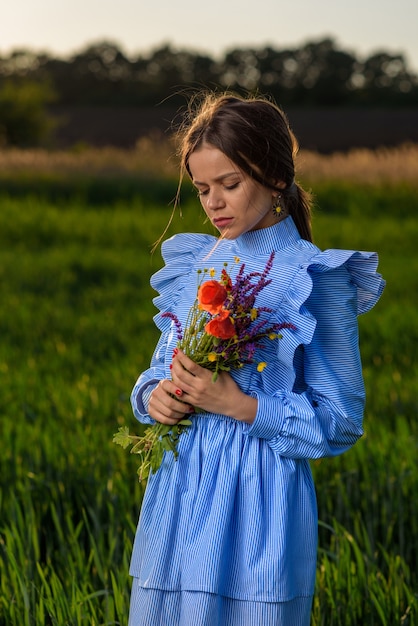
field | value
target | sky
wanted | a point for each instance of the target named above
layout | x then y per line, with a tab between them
62	27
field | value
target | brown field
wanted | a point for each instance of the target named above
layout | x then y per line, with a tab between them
383	165
156	157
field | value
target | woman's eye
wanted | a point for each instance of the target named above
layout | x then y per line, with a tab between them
202	192
233	186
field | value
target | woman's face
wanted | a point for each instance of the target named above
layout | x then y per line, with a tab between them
232	200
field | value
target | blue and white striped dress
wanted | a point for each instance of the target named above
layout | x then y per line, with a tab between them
227	534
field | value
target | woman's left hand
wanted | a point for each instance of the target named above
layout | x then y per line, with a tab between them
223	396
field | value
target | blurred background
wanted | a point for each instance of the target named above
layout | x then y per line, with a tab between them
107	73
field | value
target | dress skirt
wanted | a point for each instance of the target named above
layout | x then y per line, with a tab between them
153	607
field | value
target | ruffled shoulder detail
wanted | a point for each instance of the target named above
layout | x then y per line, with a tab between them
361	268
179	253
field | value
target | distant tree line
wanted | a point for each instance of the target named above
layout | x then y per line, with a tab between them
317	74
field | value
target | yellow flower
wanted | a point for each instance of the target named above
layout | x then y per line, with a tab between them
261	366
212	356
253	314
273	336
212	272
236	259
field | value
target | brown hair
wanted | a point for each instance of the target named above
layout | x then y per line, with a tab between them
255	134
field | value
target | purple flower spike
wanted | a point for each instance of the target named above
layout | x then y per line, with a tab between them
283	325
177	323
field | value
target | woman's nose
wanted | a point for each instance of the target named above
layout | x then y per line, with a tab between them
215	199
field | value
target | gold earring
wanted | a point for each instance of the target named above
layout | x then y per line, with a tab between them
277	208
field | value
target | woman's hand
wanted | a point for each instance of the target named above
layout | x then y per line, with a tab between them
165	403
223	396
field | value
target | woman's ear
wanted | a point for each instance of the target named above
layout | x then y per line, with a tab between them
279	184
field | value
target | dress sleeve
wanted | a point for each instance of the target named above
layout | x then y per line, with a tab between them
325	418
147	381
179	253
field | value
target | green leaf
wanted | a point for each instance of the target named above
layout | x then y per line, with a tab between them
164	429
168	444
122	438
157	456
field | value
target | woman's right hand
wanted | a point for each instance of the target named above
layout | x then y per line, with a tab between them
165	405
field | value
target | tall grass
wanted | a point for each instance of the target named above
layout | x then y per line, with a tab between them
76	328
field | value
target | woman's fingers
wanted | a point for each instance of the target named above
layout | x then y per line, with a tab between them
165	403
186	374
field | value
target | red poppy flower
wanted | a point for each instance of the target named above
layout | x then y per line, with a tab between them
221	326
211	296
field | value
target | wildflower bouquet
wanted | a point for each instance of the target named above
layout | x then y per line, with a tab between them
223	330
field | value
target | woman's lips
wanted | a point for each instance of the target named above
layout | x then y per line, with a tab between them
221	222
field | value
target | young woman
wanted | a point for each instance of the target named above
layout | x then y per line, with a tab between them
228	532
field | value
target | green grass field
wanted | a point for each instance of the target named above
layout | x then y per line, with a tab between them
76	330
